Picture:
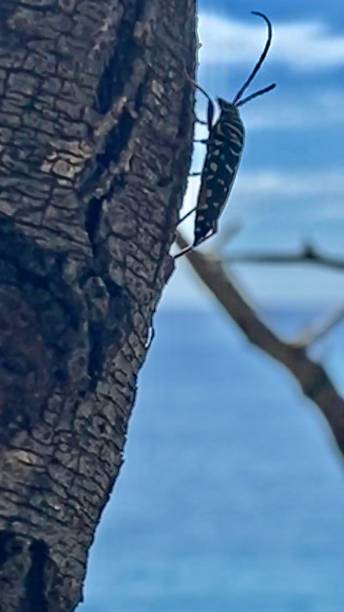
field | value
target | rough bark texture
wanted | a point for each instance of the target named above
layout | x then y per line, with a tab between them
95	139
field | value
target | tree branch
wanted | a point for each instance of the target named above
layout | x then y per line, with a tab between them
312	377
308	255
316	332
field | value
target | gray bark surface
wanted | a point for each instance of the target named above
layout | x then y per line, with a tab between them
95	142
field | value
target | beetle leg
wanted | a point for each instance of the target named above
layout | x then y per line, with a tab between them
210	114
184	251
192	246
211	108
186	215
205	238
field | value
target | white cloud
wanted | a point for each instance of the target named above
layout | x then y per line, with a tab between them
280	211
316	194
292	185
322	109
301	45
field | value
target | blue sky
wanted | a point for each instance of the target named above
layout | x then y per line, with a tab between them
290	186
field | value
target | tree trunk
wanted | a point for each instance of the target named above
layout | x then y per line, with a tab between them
95	142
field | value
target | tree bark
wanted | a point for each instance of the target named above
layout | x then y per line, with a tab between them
95	142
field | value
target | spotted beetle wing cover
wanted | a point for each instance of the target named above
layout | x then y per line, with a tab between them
222	160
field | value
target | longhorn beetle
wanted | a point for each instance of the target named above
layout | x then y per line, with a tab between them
224	147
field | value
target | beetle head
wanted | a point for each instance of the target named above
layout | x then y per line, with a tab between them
226	107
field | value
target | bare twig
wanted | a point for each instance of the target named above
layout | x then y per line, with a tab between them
308	255
312	377
315	333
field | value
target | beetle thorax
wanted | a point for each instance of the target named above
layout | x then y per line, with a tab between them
228	109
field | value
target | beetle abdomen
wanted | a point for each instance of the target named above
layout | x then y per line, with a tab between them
224	150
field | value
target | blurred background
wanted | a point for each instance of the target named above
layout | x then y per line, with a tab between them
232	492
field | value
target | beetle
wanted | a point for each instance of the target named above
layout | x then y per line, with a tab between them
224	147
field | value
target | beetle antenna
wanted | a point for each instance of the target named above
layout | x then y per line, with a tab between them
261	59
256	94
